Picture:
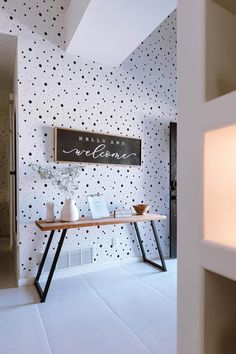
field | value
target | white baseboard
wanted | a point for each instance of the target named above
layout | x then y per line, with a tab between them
70	272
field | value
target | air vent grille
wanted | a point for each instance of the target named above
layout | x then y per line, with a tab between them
70	259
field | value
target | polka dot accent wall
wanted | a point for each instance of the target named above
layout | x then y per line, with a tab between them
4	164
55	89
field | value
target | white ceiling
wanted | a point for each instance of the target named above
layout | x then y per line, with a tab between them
107	31
7	61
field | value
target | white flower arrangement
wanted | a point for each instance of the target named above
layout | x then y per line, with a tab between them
65	179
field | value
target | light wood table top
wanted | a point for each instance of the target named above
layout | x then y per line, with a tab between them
87	222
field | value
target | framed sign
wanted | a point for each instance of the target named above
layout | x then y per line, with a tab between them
83	146
98	207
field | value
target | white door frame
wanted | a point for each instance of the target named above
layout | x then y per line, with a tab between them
13	181
12	170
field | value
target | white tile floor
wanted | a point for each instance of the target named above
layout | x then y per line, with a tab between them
128	310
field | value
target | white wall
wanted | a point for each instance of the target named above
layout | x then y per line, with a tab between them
191	95
137	99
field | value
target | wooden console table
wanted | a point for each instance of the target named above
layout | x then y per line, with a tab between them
86	222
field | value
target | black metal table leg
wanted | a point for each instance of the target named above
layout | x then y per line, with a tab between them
140	241
43	293
158	246
44	256
145	259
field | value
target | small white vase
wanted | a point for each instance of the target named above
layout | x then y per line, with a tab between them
69	211
50	215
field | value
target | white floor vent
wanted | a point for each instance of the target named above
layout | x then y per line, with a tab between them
70	259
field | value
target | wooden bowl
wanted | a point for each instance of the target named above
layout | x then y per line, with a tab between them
141	209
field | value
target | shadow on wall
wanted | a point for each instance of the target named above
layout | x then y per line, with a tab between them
156	154
156	166
5	223
227	339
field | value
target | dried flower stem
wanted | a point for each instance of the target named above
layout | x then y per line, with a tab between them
65	179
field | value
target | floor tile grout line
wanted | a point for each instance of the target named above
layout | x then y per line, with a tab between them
97	293
44	329
143	281
116	314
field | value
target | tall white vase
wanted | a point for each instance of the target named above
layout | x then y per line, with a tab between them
69	211
50	215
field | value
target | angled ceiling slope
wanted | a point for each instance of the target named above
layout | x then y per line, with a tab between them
107	31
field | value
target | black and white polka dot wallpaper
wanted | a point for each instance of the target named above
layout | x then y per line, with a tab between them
4	164
55	89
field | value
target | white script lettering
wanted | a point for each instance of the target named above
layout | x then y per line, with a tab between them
99	152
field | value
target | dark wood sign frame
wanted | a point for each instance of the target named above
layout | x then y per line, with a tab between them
91	147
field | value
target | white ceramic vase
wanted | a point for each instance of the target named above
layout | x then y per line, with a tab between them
50	215
69	211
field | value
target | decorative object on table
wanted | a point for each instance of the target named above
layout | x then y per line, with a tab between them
69	211
67	180
50	215
141	209
98	207
119	213
82	146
